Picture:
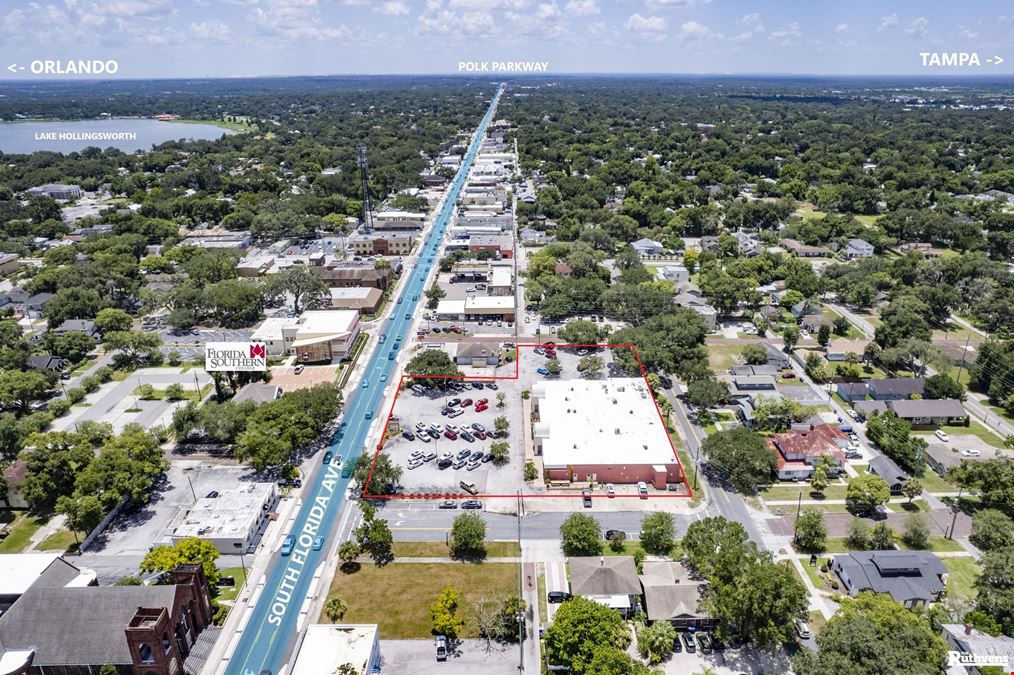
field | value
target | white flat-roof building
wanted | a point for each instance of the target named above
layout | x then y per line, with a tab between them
501	280
606	431
231	521
399	215
273	334
472	307
325	648
319	335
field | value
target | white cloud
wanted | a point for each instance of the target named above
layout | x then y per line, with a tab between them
134	8
294	20
919	26
577	8
791	30
547	11
841	28
967	33
487	5
742	37
751	19
394	8
889	21
447	22
666	4
645	24
695	30
210	30
1005	18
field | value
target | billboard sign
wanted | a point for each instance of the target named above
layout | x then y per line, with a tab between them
235	356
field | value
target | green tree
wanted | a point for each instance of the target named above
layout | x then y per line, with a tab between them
613	661
882	537
754	354
444	614
19	389
145	392
334	609
912	488
580	628
432	363
995	586
818	480
707	392
940	386
434	294
991	479
991	530
374	537
740	453
716	547
658	533
858	537
175	392
591	366
811	534
790	336
111	319
824	335
189	551
531	471
580	535
501	426
870	635
386	473
655	642
893	435
306	288
75	302
468	537
134	347
916	531
553	366
349	551
501	452
616	541
867	492
580	332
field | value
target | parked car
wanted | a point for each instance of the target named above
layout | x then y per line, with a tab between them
448	504
408	434
481	435
788	376
453	402
587	496
460	462
451	435
610	533
465	452
451	427
970	453
802	630
478	427
481	408
704	640
298	369
689	642
472	465
212	495
468	487
441	646
556	597
456	413
610	490
467	402
542	371
468	437
491	385
478	385
942	435
471	504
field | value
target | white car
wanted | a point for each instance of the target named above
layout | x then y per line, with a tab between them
853	414
421	426
942	435
451	427
970	453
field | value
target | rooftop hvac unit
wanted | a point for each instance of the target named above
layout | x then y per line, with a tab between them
617	430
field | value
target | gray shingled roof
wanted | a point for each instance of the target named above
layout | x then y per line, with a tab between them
928	408
78	625
612	575
885	467
910	575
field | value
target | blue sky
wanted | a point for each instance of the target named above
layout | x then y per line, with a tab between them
214	38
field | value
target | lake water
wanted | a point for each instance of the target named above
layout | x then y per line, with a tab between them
127	135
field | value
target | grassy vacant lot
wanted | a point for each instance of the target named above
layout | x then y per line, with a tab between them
932	482
963	572
229	593
438	549
21	528
724	356
398	596
61	540
937	544
784	493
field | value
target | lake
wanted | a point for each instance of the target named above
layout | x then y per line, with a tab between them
127	135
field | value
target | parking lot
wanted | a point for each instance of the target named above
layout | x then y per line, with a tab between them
288	379
413	409
190	343
402	657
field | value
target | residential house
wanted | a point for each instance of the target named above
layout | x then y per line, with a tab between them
259	392
974	646
797	452
839	348
46	362
14	476
678	274
852	391
9	263
692	299
754	382
55	191
857	248
776	357
942	457
813	322
802	250
892	474
562	268
804	308
895	388
363	299
37	303
749	247
930	412
709	243
86	326
529	236
646	247
673	594
770	313
744	369
608	580
912	578
477	354
350	274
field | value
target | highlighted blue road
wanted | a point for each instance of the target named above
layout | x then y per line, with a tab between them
271	629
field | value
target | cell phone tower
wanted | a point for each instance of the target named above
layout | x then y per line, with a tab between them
364	175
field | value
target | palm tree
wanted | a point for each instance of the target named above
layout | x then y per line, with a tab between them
334	609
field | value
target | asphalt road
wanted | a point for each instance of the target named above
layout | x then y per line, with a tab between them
269	634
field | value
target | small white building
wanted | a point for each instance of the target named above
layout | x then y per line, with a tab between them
857	248
325	648
646	247
231	521
320	335
678	274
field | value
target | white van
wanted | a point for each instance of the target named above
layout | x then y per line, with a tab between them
802	629
642	489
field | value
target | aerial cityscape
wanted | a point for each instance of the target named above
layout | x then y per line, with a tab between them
610	338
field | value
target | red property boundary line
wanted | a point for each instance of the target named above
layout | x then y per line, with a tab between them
517	369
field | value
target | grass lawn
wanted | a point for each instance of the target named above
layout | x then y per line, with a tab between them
540	582
932	482
438	549
904	506
61	540
629	547
963	572
397	597
229	593
81	367
724	356
781	493
816	621
188	394
21	528
691	476
937	544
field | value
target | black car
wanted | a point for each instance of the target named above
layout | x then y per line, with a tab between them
610	533
478	427
467	436
408	434
677	646
295	482
453	402
444	463
555	597
491	385
477	385
717	644
448	504
212	495
471	504
704	640
436	329
445	411
433	434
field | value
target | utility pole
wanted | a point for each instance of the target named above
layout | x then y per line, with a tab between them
955	509
521	612
961	365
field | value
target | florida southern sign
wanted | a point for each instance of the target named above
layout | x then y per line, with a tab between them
235	356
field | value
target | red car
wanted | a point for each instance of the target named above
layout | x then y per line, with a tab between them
479	434
480	408
549	345
550	354
788	376
467	402
481	401
451	435
456	329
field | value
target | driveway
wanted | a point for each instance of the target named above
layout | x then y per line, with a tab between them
405	657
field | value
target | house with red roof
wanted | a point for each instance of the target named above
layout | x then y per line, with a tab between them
798	451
